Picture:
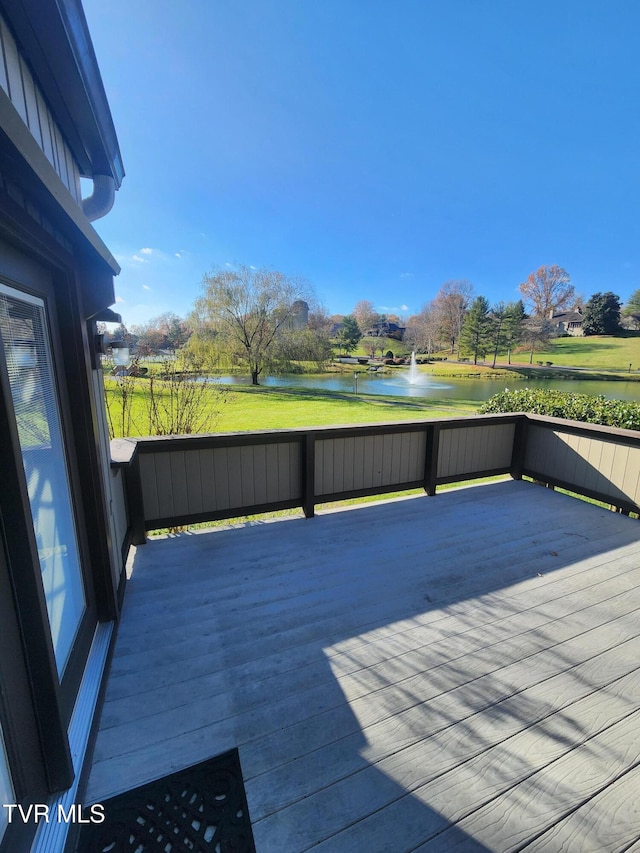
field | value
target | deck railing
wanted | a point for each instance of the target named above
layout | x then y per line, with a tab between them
170	481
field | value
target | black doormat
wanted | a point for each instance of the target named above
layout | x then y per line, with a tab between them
201	809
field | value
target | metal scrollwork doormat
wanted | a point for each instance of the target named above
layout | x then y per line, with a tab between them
202	809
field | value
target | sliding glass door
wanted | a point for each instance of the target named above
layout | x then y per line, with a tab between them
26	343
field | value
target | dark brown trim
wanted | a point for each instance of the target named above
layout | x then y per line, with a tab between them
169	443
59	301
23	160
519	448
123	449
85	445
472	475
135	502
308	469
431	458
31	266
555	482
221	514
386	489
22	560
19	722
122	585
614	435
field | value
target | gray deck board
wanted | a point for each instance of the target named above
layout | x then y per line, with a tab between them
456	672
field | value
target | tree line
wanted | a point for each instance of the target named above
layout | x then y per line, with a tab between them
267	321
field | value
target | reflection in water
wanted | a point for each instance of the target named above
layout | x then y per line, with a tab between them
395	385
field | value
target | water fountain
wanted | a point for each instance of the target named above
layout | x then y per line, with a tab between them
413	376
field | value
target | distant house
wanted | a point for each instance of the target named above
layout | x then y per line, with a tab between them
568	322
385	329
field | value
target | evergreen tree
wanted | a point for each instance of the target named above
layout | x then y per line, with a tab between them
475	337
632	308
349	334
602	314
513	325
497	329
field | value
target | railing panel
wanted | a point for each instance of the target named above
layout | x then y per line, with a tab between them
194	481
594	464
356	462
465	450
180	480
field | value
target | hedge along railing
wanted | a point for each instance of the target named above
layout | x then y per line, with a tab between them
171	481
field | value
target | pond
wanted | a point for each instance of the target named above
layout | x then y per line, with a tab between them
437	388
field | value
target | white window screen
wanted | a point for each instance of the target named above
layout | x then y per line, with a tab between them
25	340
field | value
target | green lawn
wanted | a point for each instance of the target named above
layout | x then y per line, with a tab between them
600	352
249	408
270	408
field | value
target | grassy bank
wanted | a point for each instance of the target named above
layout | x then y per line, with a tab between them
597	353
249	408
600	354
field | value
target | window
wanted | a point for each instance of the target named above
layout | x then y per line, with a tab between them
27	350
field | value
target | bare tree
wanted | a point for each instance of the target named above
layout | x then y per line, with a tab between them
247	310
365	315
181	403
450	306
422	330
536	333
119	396
547	289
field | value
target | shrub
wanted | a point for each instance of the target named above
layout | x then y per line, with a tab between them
591	409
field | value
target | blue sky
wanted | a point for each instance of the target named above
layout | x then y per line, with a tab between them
376	148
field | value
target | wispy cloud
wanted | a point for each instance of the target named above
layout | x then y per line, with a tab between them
119	299
146	287
146	251
139	259
406	275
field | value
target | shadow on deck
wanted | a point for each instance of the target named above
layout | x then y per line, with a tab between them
421	674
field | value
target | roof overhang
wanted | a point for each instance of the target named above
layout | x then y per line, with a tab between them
55	39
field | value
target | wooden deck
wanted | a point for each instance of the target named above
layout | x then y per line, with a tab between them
458	672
